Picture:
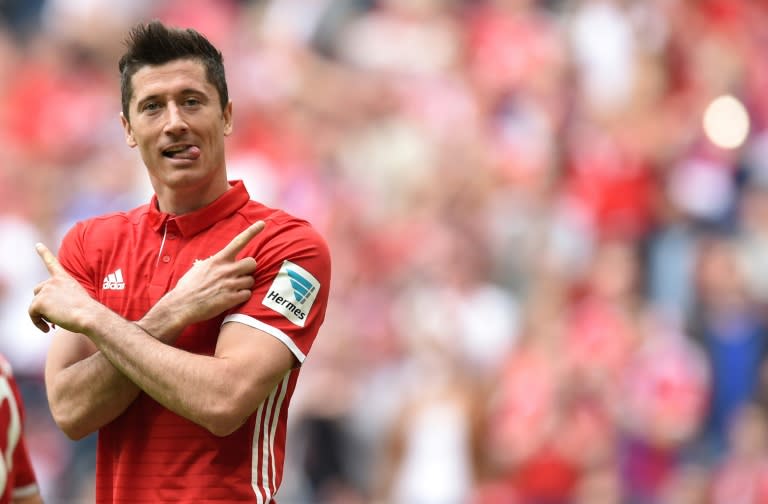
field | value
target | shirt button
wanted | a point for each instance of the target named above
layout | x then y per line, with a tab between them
166	259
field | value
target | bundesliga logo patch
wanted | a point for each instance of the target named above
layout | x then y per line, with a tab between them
292	293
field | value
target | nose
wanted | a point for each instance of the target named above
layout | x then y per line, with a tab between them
175	123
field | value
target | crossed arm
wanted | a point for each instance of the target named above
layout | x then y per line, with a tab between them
99	362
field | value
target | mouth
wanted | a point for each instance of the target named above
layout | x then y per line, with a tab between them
182	151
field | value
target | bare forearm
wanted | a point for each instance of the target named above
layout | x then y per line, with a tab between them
91	393
88	395
190	385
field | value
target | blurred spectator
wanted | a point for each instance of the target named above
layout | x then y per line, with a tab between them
533	442
730	326
428	454
662	406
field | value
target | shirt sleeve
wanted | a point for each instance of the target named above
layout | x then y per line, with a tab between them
73	258
292	285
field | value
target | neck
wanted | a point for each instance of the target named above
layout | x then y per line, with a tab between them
180	201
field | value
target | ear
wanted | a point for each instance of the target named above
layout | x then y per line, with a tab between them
227	116
129	139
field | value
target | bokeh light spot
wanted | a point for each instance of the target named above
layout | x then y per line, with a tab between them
726	122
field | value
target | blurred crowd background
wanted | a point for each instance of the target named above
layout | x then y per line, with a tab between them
548	223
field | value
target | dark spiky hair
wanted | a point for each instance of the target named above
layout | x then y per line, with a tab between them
155	44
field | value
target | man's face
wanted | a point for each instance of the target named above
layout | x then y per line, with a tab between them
178	125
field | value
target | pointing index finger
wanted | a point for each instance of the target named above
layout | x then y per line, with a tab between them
240	241
51	263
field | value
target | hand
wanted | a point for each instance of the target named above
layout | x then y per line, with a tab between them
60	299
216	284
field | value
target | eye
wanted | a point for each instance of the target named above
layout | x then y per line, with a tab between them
150	107
191	102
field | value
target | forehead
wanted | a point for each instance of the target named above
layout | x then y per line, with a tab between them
169	78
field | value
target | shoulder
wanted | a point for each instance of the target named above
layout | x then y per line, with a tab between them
87	239
112	221
283	228
288	241
103	229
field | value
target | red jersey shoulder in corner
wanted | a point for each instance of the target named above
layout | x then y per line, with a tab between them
17	478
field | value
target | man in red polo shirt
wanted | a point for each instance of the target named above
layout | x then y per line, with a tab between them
182	324
17	478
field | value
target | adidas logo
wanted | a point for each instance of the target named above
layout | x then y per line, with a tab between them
114	281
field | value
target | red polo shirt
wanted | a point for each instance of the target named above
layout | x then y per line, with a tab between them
127	261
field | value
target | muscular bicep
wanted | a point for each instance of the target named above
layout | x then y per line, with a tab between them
257	362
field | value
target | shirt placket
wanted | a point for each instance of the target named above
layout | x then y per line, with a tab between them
166	261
